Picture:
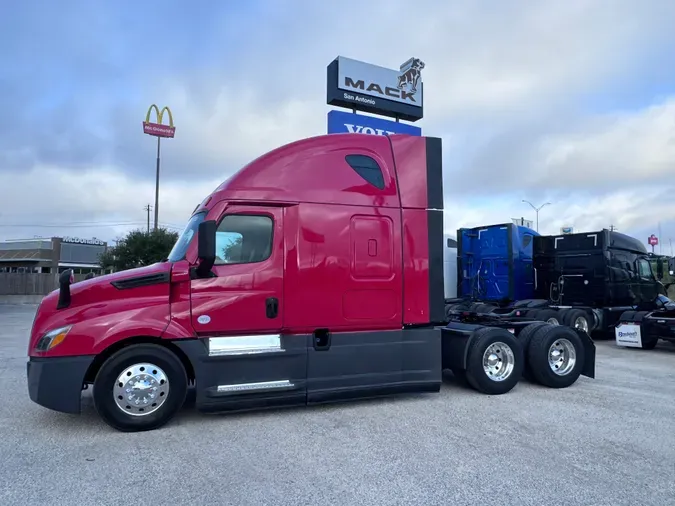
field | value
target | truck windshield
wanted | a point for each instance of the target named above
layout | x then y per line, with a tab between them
180	248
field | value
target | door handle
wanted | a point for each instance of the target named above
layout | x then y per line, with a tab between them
321	338
272	307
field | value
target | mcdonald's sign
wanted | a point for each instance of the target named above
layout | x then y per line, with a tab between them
157	129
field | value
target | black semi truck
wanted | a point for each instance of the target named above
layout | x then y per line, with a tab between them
585	281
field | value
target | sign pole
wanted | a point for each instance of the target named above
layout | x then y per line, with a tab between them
158	130
157	185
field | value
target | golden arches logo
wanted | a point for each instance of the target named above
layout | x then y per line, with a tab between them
158	129
160	114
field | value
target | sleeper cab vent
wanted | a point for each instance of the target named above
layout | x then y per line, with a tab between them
138	281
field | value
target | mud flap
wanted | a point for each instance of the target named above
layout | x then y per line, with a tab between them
589	354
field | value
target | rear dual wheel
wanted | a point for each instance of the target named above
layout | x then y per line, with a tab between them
577	319
550	316
495	361
551	355
555	355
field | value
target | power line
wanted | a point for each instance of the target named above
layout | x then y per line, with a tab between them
89	225
76	225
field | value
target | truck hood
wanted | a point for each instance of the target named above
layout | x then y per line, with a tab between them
123	280
107	305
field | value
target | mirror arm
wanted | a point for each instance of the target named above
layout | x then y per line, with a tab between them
203	269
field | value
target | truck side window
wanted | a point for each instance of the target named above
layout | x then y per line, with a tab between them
645	270
367	168
244	238
527	239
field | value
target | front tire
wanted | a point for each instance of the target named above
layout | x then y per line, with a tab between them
495	361
140	387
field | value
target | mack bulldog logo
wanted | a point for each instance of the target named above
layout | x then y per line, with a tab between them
411	72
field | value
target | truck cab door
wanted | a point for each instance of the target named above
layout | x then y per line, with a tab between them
239	312
649	287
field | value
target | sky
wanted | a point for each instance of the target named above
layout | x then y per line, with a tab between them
571	103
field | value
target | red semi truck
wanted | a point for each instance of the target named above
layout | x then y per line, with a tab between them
313	274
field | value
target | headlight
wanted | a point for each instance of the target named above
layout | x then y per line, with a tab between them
52	338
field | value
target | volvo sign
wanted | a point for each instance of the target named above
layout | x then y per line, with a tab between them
346	122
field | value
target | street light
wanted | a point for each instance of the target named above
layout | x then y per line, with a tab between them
537	209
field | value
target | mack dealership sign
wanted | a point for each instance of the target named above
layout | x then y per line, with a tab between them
370	88
347	122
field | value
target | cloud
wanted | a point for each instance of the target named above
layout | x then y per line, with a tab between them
592	154
512	88
101	202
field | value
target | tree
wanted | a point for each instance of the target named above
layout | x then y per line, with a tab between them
139	248
231	252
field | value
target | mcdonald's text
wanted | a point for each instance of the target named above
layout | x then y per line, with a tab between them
158	130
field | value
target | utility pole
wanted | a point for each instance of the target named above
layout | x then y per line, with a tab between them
612	228
537	209
147	209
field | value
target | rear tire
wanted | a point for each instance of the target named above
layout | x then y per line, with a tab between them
549	316
525	337
495	361
650	344
555	356
577	318
140	387
526	334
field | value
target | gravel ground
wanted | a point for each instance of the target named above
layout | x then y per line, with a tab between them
604	441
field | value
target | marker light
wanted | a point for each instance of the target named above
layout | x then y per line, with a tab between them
52	338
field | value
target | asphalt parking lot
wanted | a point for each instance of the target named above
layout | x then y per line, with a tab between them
604	441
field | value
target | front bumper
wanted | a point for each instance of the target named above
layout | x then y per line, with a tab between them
56	382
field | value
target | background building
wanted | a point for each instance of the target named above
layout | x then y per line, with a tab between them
42	255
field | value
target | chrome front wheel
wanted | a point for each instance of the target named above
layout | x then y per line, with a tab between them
141	389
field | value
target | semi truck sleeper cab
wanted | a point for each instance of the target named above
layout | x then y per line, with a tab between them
313	274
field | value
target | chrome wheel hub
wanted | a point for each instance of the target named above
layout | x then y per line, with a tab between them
498	361
562	357
141	389
581	323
